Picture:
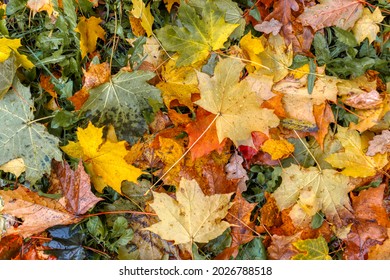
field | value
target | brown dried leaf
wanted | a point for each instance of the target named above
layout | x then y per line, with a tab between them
75	187
369	225
365	100
281	247
273	26
239	214
38	213
234	170
340	13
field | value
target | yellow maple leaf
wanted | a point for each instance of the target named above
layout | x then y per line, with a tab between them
252	46
179	83
90	31
192	217
310	190
278	148
141	12
104	159
367	26
7	46
353	160
40	5
235	103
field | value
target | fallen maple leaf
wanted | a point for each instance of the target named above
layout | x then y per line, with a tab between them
353	160
313	249
379	144
234	103
198	35
38	213
380	251
310	190
90	31
105	159
340	13
142	12
8	46
252	46
193	217
367	25
75	187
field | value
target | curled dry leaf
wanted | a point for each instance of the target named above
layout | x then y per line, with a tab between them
273	26
379	144
75	187
365	100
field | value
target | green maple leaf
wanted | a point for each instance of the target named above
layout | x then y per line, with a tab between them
199	35
124	101
20	137
313	249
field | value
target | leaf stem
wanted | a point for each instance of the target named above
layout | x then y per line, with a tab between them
246	60
40	119
185	153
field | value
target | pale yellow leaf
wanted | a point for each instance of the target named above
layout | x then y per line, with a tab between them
15	166
312	191
192	217
235	103
353	160
367	26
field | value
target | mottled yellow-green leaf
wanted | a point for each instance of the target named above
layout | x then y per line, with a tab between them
310	190
353	160
312	249
198	35
192	217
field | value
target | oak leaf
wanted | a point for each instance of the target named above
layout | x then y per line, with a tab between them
8	46
192	217
367	25
199	34
379	144
104	159
90	31
22	137
353	160
310	190
313	249
340	13
142	12
235	103
278	148
74	186
38	213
